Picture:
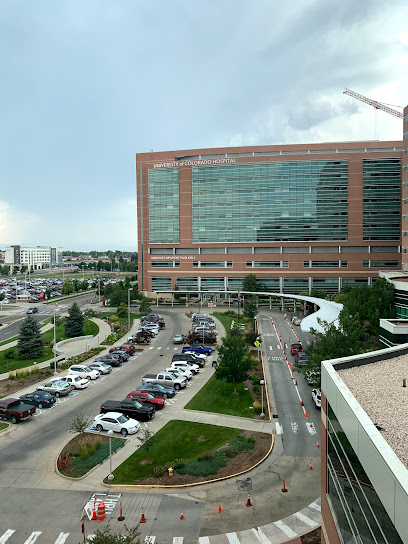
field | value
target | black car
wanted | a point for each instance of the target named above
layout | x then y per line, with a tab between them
131	408
41	399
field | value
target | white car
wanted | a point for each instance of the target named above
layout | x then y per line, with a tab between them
200	356
84	371
76	381
181	372
102	368
184	365
116	422
317	397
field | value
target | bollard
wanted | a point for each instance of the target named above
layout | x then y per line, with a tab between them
284	490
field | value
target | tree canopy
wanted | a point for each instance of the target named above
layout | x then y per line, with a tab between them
234	360
74	323
29	343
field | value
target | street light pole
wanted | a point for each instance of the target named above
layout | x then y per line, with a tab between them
55	341
110	476
130	289
262	383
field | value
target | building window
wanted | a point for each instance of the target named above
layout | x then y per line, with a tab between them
165	264
267	264
164	213
355	505
212	264
270	202
381	264
325	264
161	284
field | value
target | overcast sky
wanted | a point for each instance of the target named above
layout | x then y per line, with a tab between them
85	85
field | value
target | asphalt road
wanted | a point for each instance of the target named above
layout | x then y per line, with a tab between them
30	503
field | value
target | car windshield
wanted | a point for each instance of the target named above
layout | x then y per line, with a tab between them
122	419
137	403
149	396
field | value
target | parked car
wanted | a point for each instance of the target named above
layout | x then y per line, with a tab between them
116	422
109	359
158	390
124	355
76	381
185	373
129	348
301	358
178	339
131	408
32	310
168	379
15	410
147	398
102	368
185	365
317	397
84	371
188	358
198	348
58	388
296	348
40	399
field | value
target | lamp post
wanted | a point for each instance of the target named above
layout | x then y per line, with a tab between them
262	383
99	288
55	340
130	289
110	476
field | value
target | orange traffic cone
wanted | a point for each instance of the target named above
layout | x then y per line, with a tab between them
305	414
143	518
93	518
219	509
182	516
249	503
301	401
317	445
310	466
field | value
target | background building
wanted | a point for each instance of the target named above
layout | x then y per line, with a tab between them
299	217
37	258
364	454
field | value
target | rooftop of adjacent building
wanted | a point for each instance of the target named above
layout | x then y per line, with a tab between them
379	389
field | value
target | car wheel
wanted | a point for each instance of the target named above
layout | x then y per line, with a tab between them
177	387
124	432
99	428
13	419
57	394
40	405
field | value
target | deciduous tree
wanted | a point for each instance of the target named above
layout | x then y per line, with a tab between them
234	360
67	287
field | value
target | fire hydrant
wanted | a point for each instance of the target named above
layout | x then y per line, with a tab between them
170	471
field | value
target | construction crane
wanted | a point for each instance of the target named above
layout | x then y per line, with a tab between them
376	105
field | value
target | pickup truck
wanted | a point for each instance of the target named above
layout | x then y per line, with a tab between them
197	348
15	410
131	408
165	378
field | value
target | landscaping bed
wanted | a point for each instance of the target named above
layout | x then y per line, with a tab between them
205	452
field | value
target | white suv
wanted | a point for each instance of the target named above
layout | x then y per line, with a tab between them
84	372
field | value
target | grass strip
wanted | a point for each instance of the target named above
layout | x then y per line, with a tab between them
217	396
80	466
176	440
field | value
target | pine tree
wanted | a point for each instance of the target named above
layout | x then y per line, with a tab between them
30	344
74	323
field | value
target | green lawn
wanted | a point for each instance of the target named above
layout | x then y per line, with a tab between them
14	363
227	320
3	426
218	397
176	440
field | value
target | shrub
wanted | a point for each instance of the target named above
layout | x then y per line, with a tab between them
254	378
10	354
257	407
12	376
84	452
257	388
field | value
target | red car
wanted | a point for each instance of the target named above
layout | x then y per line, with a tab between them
147	398
296	348
129	348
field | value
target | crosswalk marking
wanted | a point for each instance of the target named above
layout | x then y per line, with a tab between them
279	428
232	538
33	537
305	519
315	506
6	536
204	540
61	538
285	529
261	536
178	540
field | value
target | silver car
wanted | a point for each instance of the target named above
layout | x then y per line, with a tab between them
58	388
102	368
